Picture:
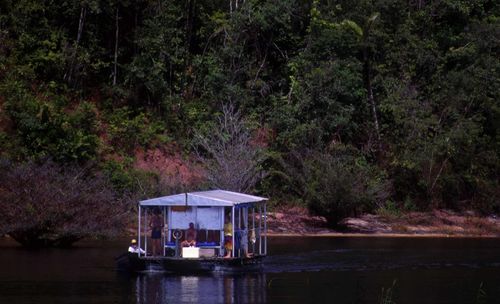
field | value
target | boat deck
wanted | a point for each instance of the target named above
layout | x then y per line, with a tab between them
191	265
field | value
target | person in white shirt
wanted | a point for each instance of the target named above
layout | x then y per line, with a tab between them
133	248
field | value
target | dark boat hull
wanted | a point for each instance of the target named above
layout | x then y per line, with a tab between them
133	263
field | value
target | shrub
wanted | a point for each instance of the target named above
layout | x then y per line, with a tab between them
46	126
128	130
338	183
389	210
140	183
52	205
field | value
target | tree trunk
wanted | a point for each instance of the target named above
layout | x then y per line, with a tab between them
233	7
371	99
81	22
117	29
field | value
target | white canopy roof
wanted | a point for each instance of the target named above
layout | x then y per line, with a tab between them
217	198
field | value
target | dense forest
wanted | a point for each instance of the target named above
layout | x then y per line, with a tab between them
341	106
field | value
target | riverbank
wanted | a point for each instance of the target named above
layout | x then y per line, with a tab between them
442	223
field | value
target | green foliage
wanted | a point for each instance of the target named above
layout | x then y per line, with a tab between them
389	210
48	126
337	183
140	184
481	296
301	71
4	144
387	294
158	68
127	130
119	175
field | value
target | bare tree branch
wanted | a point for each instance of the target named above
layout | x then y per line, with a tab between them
230	158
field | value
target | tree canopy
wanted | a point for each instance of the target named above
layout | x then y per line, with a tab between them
355	104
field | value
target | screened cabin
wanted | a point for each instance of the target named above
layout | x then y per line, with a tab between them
218	216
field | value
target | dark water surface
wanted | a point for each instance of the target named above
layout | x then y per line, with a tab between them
298	270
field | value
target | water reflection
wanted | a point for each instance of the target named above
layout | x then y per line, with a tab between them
162	288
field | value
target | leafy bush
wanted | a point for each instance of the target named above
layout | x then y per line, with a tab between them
389	210
339	183
127	180
128	130
52	205
47	126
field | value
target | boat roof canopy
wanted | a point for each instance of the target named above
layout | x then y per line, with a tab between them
212	198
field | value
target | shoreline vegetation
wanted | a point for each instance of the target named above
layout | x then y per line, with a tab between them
298	222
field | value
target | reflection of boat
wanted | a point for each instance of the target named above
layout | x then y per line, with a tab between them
218	246
160	288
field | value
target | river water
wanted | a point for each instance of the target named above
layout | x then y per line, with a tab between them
297	270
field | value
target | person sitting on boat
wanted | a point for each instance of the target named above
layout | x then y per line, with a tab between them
190	237
228	238
133	248
156	225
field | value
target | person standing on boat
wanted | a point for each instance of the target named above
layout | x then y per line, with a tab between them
228	237
156	225
243	241
190	237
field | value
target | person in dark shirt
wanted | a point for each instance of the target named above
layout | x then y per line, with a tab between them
156	225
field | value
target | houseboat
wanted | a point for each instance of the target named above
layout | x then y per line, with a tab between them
206	231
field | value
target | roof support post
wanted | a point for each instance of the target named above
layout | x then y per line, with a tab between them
163	232
139	231
221	232
145	231
265	230
234	230
252	235
169	220
260	229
